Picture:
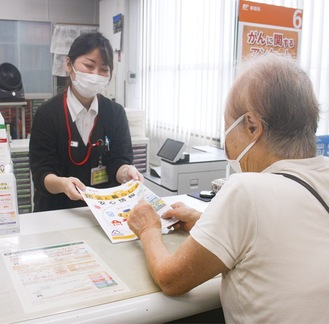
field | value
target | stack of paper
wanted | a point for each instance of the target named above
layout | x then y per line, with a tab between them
9	219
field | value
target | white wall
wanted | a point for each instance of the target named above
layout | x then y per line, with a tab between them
125	93
133	63
98	12
55	11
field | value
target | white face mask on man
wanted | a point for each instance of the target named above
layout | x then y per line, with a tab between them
89	84
235	164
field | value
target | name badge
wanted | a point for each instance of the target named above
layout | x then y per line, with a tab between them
98	175
74	144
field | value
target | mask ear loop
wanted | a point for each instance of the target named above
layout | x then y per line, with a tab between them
228	167
238	121
245	151
74	70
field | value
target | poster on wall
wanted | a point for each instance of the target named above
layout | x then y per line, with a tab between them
264	28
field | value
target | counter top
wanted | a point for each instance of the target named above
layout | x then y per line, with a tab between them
145	303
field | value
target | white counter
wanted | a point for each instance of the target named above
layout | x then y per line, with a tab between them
48	228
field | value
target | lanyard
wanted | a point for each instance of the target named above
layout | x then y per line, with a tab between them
90	146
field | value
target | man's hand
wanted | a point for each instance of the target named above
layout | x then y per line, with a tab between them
143	218
187	216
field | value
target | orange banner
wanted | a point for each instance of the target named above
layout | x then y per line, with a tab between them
259	13
267	28
263	40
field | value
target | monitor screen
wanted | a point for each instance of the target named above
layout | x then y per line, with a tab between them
171	150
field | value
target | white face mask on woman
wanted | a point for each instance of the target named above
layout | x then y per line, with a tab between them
235	164
89	84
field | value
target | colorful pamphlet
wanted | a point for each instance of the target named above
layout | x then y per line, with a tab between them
112	207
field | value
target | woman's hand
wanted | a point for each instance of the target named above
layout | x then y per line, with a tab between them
187	216
128	172
68	186
134	174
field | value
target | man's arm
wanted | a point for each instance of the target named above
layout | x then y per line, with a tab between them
175	273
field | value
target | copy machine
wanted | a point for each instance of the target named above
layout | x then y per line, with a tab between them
192	172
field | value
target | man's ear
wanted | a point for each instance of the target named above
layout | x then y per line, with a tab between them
254	126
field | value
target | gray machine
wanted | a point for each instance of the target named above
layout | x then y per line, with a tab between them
192	173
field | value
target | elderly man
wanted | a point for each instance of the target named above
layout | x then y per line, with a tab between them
266	233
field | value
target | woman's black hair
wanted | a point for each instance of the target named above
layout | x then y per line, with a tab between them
87	42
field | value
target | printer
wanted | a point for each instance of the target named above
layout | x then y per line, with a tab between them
188	172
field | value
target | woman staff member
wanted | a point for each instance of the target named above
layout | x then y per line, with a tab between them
80	138
266	233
